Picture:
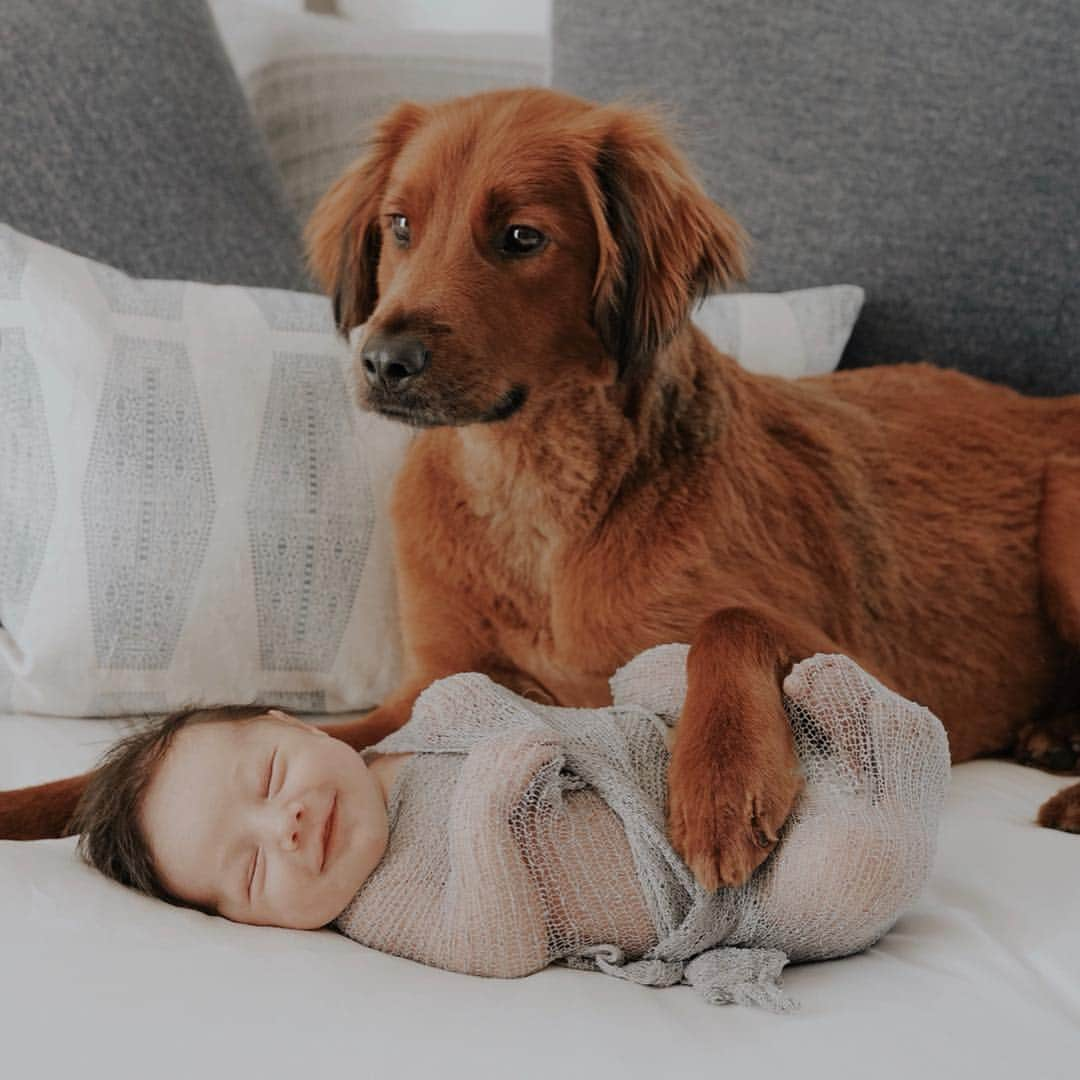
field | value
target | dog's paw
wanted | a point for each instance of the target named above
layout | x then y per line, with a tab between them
724	822
1062	811
1050	743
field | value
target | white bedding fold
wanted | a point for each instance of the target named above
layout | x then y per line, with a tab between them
981	978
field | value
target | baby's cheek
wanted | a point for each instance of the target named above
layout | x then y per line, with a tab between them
294	901
331	895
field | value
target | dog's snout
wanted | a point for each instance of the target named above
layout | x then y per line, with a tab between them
389	362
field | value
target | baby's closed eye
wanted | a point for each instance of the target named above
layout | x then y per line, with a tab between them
270	773
251	872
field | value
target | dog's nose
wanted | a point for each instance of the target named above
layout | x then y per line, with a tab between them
389	362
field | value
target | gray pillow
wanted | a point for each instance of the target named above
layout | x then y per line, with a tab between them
928	152
126	138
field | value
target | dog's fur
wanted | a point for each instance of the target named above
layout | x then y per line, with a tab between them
646	489
594	478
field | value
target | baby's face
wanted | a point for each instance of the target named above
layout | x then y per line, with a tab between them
268	821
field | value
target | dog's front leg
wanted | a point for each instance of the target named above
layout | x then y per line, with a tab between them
734	775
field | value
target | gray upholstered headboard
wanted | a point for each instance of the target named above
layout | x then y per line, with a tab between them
125	137
928	152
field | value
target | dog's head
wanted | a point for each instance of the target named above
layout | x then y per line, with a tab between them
501	246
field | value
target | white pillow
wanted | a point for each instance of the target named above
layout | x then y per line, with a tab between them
193	510
317	83
790	334
462	16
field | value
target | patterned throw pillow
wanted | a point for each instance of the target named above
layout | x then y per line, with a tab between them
193	510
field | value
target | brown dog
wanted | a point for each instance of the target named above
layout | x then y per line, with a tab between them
594	478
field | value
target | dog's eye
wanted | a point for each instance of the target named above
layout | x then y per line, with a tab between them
399	226
522	240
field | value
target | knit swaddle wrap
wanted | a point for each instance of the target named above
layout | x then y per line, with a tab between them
524	834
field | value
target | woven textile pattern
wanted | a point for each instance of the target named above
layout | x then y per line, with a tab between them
194	510
523	835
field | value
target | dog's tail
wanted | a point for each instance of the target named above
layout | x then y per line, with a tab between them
41	812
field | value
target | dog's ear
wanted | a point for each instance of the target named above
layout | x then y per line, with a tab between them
663	243
343	236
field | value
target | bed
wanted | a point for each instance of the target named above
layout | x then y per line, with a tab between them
981	978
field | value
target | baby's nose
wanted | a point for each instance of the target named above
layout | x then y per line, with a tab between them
293	824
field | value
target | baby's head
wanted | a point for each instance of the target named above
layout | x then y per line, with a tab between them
242	812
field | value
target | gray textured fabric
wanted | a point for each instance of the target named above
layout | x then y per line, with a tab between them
126	138
523	834
928	153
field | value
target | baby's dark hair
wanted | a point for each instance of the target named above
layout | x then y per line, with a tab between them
107	817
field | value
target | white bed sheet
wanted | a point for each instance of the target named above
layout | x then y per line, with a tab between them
981	978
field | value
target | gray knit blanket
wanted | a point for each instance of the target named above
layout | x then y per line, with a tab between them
523	835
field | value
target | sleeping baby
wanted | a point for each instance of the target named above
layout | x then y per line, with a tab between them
492	835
